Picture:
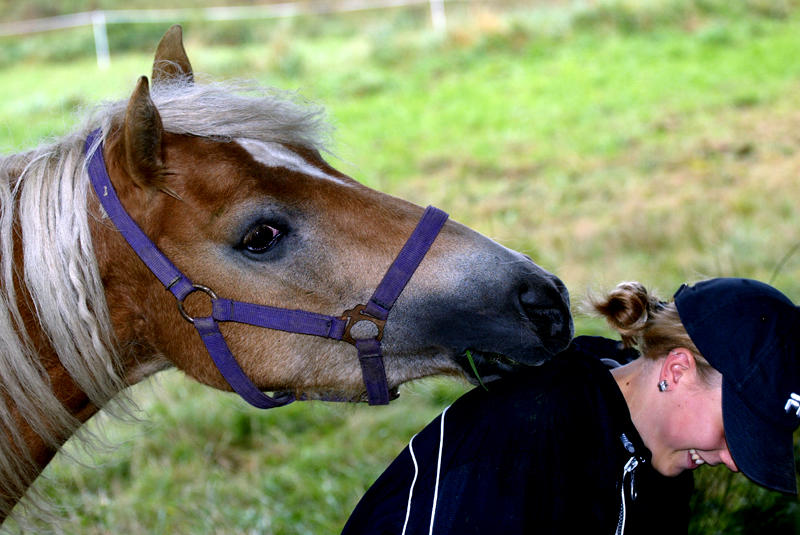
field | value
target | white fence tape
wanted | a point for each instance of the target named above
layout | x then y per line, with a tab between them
99	19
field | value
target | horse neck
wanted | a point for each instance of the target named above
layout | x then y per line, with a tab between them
26	452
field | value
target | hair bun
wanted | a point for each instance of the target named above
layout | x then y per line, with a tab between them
627	308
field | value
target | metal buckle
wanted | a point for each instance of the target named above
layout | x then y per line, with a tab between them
356	315
196	287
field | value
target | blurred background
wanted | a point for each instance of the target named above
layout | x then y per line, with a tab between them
652	140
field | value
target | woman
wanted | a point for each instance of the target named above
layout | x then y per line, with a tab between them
584	444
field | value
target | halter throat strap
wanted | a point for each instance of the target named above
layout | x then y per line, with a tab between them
375	311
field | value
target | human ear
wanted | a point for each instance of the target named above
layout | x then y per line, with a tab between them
678	365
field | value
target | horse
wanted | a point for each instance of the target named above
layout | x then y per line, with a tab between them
228	183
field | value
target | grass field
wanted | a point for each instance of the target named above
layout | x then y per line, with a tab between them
659	143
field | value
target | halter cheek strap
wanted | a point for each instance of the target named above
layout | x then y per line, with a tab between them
376	311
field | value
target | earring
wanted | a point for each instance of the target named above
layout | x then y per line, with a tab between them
663	385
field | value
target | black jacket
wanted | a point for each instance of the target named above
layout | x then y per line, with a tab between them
541	452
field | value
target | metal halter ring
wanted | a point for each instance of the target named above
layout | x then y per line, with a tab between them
196	287
356	315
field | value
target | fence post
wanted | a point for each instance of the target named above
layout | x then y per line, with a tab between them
438	17
101	39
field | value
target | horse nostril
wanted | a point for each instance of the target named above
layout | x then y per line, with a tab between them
544	294
546	305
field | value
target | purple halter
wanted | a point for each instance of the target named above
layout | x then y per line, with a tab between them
296	321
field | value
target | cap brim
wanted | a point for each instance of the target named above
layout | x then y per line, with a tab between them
763	452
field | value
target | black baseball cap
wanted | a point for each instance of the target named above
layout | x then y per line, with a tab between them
750	333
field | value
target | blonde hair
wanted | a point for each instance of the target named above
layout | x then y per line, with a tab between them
645	322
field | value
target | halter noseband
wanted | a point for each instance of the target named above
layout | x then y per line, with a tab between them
375	311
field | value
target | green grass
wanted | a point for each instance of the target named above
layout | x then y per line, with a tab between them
659	143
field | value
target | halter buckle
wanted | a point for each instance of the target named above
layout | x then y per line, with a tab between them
355	316
195	288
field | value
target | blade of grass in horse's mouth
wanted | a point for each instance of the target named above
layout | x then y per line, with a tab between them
485	367
475	369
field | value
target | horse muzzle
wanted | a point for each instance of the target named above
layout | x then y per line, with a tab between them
505	311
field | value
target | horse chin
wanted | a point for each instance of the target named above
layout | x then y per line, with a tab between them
346	397
394	393
487	366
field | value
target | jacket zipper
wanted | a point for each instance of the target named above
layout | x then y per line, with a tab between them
629	468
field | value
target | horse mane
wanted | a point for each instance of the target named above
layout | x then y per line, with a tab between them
229	110
43	209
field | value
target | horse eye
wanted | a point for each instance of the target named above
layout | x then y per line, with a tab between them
261	238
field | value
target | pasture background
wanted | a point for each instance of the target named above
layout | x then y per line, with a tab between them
656	141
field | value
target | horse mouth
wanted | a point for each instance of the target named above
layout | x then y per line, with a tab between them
482	366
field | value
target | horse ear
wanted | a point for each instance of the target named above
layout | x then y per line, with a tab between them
171	61
142	139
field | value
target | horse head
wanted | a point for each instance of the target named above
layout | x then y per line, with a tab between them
235	191
227	180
